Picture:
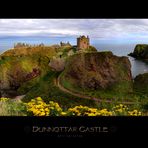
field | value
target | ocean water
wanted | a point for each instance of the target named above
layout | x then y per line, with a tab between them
119	49
137	66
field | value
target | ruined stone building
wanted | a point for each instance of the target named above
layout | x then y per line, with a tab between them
65	44
82	42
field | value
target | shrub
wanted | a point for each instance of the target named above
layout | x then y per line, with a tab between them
86	111
9	107
37	107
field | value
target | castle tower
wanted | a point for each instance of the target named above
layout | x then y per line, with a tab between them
82	42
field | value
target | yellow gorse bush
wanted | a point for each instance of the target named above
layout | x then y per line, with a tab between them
4	99
104	112
134	113
37	107
124	110
54	108
86	111
78	110
120	109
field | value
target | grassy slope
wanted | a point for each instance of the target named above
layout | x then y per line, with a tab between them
43	85
118	91
46	89
118	94
141	84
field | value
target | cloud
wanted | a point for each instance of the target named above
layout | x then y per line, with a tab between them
95	28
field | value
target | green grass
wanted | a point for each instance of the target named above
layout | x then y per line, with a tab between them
118	91
46	89
4	60
44	86
12	108
69	84
18	108
116	96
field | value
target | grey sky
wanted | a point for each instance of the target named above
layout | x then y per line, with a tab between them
96	28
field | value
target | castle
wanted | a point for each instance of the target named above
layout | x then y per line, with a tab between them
24	45
82	42
65	44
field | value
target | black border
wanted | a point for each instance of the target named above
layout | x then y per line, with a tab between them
120	128
73	9
117	128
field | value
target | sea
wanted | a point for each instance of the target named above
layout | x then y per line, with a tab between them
119	49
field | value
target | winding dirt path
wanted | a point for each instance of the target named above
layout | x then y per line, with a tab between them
57	83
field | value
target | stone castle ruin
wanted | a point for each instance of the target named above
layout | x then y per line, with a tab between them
65	44
82	42
24	45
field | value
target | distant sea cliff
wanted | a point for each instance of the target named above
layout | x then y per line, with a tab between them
140	52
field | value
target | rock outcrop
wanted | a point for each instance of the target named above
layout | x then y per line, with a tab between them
57	64
140	52
98	71
141	83
84	71
14	71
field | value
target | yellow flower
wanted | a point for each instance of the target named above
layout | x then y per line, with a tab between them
46	109
38	107
42	114
4	99
91	114
39	99
63	113
119	110
134	113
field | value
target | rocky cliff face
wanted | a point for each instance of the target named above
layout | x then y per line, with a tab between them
14	71
101	70
141	83
90	71
140	51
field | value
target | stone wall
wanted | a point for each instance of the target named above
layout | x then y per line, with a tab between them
82	42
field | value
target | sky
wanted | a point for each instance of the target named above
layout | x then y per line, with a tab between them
102	30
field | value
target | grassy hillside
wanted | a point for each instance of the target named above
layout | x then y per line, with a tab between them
26	51
140	52
100	75
47	89
141	84
15	64
22	61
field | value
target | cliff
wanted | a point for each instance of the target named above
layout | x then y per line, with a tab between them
141	84
140	52
22	65
99	72
33	72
